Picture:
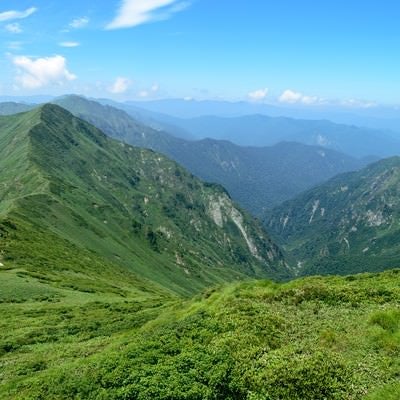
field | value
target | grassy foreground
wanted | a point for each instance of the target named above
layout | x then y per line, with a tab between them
315	338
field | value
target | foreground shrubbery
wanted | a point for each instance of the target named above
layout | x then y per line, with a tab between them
319	338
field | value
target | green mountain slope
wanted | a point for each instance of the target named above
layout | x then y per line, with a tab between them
311	339
346	225
257	178
64	181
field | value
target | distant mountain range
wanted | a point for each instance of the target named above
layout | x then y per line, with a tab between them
258	178
9	108
369	116
371	132
347	225
261	130
363	115
249	124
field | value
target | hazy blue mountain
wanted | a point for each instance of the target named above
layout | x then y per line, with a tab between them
34	99
181	108
349	224
261	130
375	117
10	107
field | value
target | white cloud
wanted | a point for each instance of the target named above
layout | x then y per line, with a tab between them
69	44
152	92
289	96
13	28
121	85
136	12
40	72
358	103
258	95
10	15
78	23
292	97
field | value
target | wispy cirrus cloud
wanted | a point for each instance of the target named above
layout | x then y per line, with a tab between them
35	73
356	103
15	27
13	14
132	13
78	23
69	44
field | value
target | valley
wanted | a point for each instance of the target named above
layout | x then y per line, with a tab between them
258	178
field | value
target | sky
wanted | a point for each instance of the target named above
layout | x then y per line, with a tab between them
304	52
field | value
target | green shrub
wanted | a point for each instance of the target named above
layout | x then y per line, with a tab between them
387	320
302	376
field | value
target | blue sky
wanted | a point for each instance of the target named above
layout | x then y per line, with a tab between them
288	51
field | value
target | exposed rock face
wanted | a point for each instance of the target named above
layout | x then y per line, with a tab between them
222	211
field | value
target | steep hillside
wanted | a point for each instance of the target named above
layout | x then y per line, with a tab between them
257	178
64	181
260	178
348	224
312	339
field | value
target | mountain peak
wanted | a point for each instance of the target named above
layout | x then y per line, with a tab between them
52	112
56	129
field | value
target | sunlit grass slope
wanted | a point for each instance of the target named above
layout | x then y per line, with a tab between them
316	338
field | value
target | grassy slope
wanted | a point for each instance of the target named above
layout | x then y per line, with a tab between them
19	177
312	339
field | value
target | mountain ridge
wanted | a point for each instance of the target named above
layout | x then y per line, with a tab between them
131	206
